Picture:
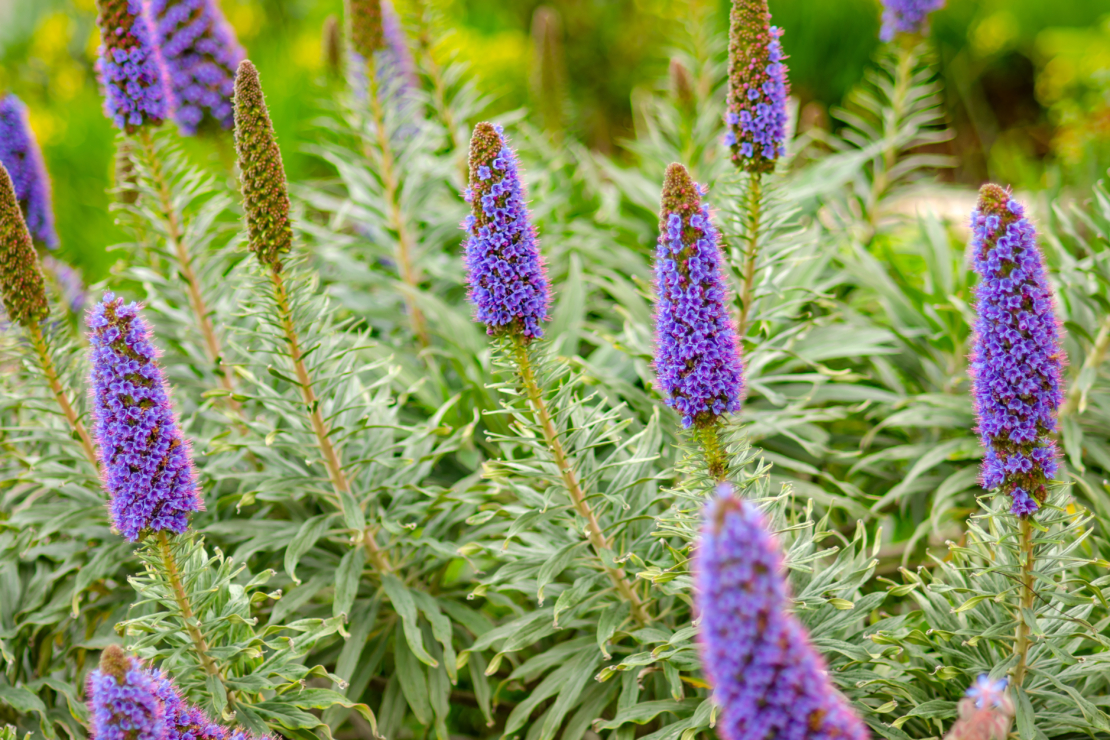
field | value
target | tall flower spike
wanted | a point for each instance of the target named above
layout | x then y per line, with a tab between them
21	283
201	53
505	271
130	66
757	88
766	677
906	16
364	24
262	175
123	699
697	353
1017	360
147	467
20	154
985	713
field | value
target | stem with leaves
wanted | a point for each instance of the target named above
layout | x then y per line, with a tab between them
1076	401
1026	599
38	341
893	118
716	456
594	532
751	251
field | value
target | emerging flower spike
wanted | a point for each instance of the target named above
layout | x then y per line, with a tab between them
364	24
20	154
21	283
906	16
768	680
1017	360
757	88
505	271
986	712
201	54
123	699
332	45
130	67
697	352
262	175
148	471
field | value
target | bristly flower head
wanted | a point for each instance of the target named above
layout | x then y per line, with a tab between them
1017	360
21	283
766	677
123	699
757	88
20	154
697	353
906	16
364	25
201	53
505	271
147	467
131	67
986	712
262	175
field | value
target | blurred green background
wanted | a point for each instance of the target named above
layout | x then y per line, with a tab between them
1027	82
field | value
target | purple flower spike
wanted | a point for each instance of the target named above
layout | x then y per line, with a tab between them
505	272
1017	360
397	46
20	154
697	354
201	55
768	680
757	88
147	467
123	699
906	16
130	66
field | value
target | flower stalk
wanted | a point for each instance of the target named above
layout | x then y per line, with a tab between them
1026	599
46	362
751	252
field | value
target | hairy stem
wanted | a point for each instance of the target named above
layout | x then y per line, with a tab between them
51	373
1026	600
320	429
751	251
716	457
1076	401
188	616
570	480
405	247
185	266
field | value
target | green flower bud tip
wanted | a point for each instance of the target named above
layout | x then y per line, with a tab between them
21	282
262	176
364	19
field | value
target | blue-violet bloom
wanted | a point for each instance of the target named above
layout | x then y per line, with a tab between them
130	66
906	16
755	113
21	155
123	699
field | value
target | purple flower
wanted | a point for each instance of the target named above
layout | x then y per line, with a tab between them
505	272
130	67
988	693
20	154
201	55
986	712
697	353
757	88
1016	360
123	699
906	16
768	680
147	467
68	282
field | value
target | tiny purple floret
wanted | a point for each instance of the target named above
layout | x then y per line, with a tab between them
906	16
130	66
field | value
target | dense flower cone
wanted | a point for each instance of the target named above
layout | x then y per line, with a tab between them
757	88
364	24
201	53
505	272
697	354
21	283
1017	360
123	699
130	66
20	154
906	16
766	677
985	713
262	175
147	467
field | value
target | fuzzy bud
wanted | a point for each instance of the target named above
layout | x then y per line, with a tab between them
907	16
201	53
697	352
20	154
130	65
21	283
364	26
985	713
766	676
1017	360
123	699
682	84
755	113
505	272
262	175
148	471
332	46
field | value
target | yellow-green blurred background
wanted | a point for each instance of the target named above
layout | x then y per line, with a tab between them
1027	82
